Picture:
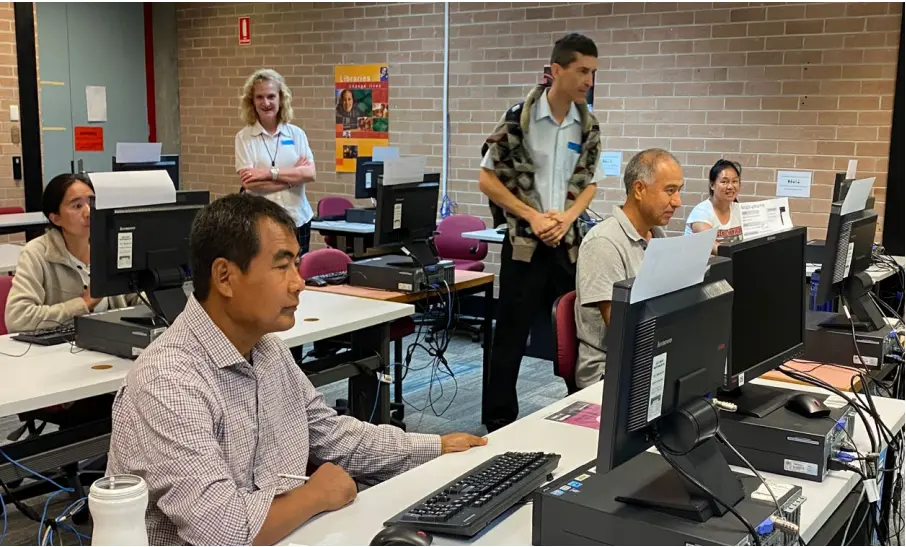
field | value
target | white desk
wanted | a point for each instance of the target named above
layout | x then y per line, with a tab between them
360	521
341	226
59	374
9	257
489	235
18	222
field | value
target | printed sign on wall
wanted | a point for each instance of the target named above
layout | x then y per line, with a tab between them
362	112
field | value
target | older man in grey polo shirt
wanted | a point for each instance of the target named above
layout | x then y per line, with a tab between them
613	250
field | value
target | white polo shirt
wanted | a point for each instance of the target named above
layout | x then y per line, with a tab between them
555	151
256	148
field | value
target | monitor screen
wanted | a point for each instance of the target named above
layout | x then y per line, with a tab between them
768	301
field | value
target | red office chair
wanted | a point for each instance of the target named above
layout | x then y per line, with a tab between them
566	339
6	284
327	261
11	210
331	206
466	254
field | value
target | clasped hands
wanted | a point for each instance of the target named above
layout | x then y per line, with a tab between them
550	227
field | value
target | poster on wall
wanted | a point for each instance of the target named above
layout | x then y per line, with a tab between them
362	112
547	79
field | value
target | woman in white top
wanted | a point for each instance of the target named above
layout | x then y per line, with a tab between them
721	209
273	157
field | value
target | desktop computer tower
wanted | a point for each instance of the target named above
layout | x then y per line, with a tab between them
400	273
835	346
580	508
362	216
108	332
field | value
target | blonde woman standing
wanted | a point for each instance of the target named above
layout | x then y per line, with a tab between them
273	157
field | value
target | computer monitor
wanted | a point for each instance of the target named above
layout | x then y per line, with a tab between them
841	187
847	254
145	249
768	321
406	217
665	355
168	162
367	175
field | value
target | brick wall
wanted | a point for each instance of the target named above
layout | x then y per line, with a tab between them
11	193
773	86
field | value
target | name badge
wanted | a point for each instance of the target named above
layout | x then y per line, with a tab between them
575	147
287	141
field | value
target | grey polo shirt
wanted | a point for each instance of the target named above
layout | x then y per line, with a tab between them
611	251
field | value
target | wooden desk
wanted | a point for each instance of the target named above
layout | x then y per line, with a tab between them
466	283
835	375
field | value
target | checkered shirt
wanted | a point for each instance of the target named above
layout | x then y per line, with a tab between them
209	433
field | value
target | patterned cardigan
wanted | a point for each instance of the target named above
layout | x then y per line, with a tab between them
513	166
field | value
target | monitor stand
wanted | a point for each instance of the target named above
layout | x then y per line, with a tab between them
866	316
166	305
421	252
670	493
755	400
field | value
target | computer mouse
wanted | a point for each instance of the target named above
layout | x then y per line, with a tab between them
315	282
401	535
808	406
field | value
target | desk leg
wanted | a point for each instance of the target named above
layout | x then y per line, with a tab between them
487	335
369	399
398	374
358	246
341	242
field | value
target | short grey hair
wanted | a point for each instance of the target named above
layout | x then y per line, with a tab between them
643	165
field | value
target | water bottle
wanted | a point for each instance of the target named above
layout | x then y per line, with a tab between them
117	504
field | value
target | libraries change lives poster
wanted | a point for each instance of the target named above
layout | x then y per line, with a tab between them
362	112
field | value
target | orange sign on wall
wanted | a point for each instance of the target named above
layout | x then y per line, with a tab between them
88	138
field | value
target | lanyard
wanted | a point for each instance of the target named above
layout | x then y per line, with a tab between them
276	149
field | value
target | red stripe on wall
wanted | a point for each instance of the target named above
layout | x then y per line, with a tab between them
149	74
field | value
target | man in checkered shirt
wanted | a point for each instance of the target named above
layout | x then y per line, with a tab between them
216	407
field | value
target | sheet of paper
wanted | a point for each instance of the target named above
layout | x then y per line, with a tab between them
760	218
138	152
384	153
132	189
611	163
794	184
673	263
857	196
96	98
851	169
404	170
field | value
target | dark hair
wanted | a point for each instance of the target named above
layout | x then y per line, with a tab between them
565	49
716	170
228	228
55	191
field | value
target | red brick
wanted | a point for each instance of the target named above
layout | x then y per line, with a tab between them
804	27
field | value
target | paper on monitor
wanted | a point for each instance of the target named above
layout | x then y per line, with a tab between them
857	196
404	170
384	153
673	263
132	189
138	152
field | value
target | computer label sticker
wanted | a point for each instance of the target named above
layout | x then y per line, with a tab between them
796	466
123	250
849	258
397	216
656	390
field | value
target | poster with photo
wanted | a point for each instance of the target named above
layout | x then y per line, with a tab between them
362	112
547	79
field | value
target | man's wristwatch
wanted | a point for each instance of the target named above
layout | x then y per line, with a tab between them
274	173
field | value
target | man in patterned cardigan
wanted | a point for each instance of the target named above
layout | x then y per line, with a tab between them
540	170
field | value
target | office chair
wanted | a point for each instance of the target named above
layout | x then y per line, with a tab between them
566	339
332	206
466	254
11	210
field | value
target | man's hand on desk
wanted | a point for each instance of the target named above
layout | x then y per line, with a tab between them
334	485
460	442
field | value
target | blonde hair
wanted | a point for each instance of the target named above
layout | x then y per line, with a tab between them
247	105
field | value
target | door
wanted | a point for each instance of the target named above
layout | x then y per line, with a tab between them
90	44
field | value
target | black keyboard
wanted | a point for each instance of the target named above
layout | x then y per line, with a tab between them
467	504
48	337
328	218
335	278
